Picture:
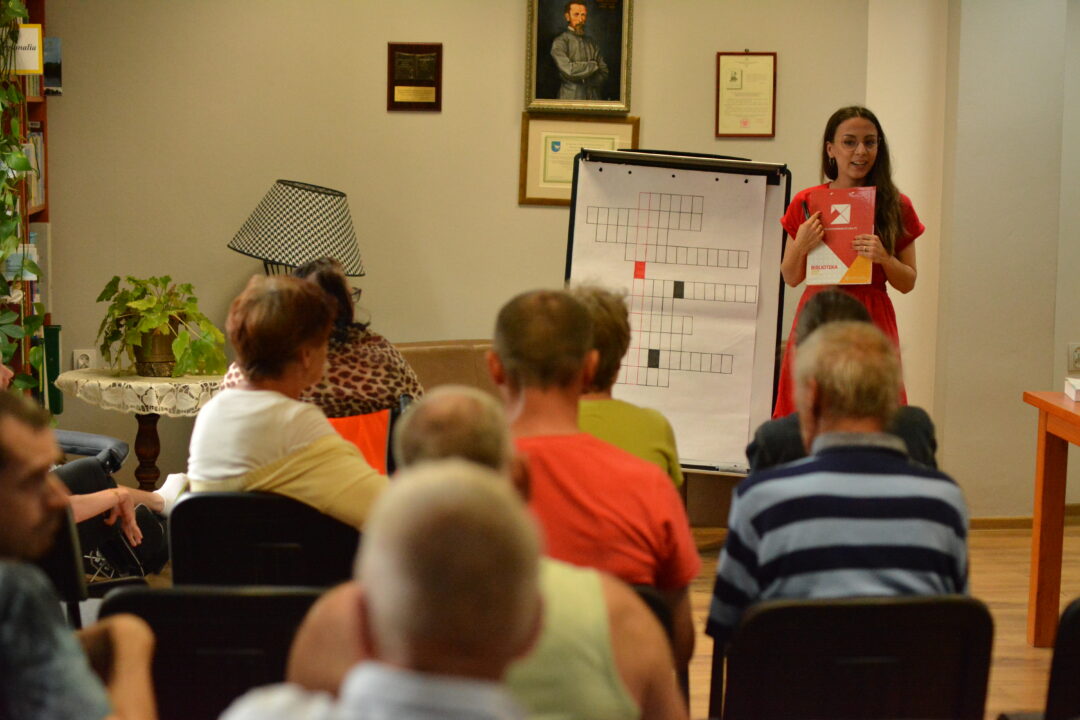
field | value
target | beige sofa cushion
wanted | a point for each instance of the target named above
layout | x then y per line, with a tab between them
442	362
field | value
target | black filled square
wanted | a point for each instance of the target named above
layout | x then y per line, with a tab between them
678	293
654	358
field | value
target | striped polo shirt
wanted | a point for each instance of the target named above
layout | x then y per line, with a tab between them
855	518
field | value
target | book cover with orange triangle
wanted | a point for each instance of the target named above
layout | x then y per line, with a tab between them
845	213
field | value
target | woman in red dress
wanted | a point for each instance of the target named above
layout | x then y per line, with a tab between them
854	153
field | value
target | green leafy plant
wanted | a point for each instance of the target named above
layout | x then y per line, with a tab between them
19	319
158	305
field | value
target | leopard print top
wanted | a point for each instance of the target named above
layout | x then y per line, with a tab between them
364	373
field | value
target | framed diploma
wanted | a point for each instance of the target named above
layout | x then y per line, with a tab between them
549	144
414	76
745	94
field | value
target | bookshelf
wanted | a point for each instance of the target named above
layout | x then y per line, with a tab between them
33	200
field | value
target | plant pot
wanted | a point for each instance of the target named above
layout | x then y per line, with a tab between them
154	358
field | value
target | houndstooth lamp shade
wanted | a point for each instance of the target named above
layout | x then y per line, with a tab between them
296	223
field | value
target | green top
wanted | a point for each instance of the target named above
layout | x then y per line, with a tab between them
639	431
571	673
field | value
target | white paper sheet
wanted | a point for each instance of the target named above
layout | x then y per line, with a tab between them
686	246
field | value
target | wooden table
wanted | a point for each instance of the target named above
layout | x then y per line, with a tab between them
148	398
1059	425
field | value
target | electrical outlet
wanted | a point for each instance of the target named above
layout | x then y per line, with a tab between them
85	359
1072	363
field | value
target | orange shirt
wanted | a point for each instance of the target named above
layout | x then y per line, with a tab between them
602	507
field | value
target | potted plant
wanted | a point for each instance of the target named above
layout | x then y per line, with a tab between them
153	319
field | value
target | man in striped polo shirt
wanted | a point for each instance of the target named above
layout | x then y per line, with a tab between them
855	518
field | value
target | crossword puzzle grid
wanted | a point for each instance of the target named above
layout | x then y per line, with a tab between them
657	332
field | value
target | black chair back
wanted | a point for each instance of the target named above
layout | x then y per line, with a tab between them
213	643
658	604
250	538
404	401
909	657
1063	693
64	565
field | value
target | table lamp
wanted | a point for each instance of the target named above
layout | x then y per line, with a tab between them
298	222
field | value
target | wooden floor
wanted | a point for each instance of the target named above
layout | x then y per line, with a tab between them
999	577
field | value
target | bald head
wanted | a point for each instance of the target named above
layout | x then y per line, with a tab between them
449	567
454	421
542	339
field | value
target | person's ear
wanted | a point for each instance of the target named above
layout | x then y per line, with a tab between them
588	368
529	640
809	413
368	643
519	474
495	368
304	356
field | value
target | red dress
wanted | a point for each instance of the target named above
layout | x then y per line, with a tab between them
874	296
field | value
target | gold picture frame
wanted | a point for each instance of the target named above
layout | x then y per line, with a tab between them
582	71
746	94
549	144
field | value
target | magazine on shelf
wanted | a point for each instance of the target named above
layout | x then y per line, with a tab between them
845	213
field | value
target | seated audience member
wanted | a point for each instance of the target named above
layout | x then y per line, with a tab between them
104	511
448	597
364	372
601	654
856	518
599	505
637	430
47	672
778	441
93	494
258	435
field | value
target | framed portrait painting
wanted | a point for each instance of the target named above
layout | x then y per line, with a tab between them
578	56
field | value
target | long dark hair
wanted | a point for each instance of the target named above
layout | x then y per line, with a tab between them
887	221
328	274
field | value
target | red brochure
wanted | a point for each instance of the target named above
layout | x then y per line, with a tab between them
845	213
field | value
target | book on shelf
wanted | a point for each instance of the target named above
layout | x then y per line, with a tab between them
53	61
845	213
36	179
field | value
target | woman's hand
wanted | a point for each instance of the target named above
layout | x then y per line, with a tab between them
869	246
811	234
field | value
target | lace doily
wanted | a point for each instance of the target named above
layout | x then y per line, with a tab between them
174	397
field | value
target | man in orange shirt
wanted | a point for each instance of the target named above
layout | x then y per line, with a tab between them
599	506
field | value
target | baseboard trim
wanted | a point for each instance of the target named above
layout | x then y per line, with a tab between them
1072	517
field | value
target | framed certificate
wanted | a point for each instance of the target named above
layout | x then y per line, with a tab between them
549	144
745	94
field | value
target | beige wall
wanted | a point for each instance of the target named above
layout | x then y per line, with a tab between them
1001	224
177	117
905	86
1067	311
